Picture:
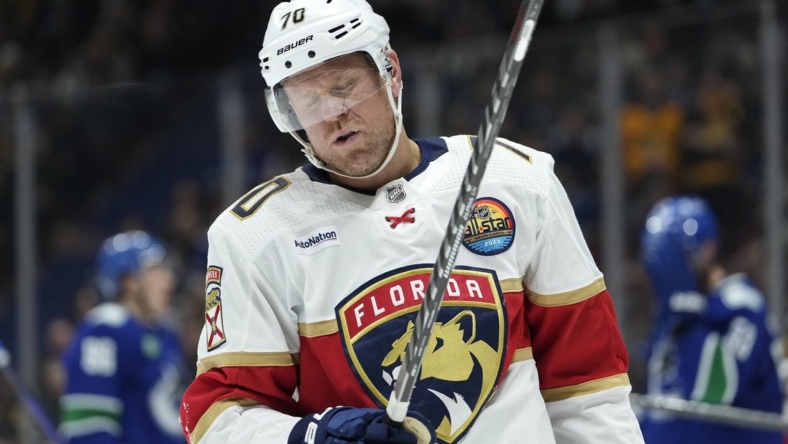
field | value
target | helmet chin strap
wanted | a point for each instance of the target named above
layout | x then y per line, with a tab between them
310	152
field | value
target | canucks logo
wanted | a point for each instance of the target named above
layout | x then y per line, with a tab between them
490	230
464	356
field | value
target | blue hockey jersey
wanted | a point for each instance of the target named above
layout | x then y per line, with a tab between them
124	381
720	349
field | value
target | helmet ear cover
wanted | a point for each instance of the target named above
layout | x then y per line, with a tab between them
385	61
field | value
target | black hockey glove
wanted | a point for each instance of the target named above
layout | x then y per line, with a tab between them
348	425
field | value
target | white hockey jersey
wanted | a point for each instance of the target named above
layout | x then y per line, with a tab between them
312	290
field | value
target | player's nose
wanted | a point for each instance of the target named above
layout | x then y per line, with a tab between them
334	108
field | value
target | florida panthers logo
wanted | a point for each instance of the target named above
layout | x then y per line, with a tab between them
464	356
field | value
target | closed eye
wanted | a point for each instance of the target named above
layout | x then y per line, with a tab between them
344	90
306	103
311	104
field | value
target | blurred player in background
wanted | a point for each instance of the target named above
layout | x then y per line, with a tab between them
315	277
714	340
124	366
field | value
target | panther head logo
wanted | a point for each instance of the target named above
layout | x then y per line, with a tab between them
452	353
464	359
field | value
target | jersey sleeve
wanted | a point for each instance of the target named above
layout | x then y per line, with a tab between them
580	356
735	296
92	403
248	351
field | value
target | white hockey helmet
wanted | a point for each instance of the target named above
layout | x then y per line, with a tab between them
303	34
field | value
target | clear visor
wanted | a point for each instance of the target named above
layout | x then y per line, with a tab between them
320	95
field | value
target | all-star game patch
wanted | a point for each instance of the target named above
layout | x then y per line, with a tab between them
490	229
213	308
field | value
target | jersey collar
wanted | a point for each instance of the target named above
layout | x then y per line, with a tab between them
431	149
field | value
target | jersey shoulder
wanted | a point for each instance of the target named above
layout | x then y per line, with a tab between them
109	316
105	342
510	162
737	292
285	204
111	321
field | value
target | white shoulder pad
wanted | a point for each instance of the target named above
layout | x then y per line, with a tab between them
108	313
737	293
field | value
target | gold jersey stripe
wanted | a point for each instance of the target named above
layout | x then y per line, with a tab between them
568	297
586	388
213	412
314	329
514	149
470	141
523	354
511	285
246	359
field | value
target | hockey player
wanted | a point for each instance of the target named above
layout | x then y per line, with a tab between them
124	366
315	277
714	341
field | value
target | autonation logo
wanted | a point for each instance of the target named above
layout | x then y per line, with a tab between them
317	240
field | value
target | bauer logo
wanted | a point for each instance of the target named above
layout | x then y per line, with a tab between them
490	230
317	240
463	359
293	45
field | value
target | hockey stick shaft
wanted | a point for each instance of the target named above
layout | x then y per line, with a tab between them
494	114
31	405
717	413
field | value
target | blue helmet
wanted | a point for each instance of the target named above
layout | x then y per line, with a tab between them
125	254
675	228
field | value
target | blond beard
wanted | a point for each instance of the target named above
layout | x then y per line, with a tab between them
372	155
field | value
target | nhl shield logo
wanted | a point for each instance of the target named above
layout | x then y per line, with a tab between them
464	357
395	193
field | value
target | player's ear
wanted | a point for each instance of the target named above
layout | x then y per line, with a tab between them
396	72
